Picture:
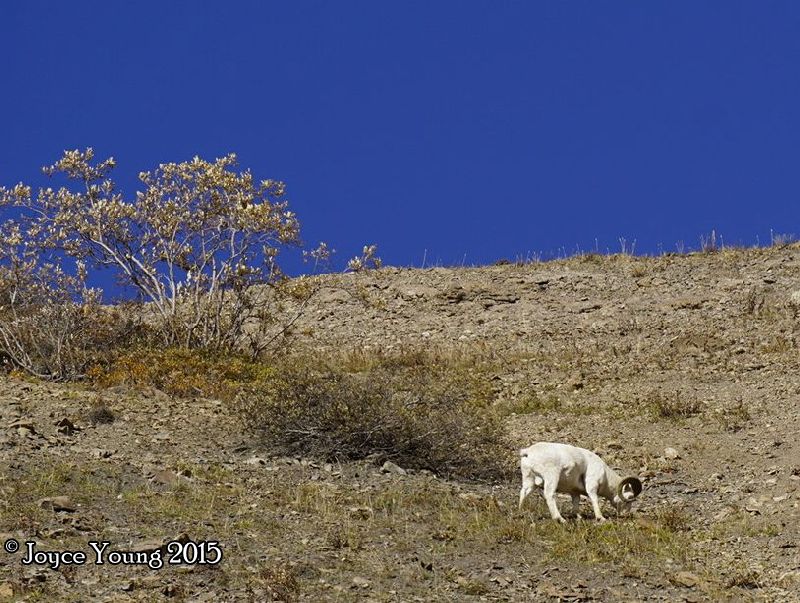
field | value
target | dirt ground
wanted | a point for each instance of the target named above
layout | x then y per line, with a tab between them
680	369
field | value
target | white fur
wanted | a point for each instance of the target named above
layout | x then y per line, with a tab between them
574	471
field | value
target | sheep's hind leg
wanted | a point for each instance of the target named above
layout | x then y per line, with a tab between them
550	496
527	488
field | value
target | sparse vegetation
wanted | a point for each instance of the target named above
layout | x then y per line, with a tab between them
180	372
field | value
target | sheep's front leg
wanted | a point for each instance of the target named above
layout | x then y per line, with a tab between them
549	493
592	494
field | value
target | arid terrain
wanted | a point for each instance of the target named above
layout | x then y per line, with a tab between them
682	369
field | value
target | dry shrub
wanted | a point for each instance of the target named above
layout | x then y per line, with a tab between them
101	414
674	518
59	339
420	416
674	407
735	417
279	582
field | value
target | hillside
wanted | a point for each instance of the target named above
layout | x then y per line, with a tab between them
681	368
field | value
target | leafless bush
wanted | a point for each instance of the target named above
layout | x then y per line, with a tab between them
420	416
51	325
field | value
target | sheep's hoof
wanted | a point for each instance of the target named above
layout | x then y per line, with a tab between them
561	520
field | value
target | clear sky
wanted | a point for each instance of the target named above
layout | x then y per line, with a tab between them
473	130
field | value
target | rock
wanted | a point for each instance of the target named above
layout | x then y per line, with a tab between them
58	503
671	453
687	579
171	590
23	426
66	427
147	546
255	460
390	467
360	582
166	477
361	512
576	381
723	514
101	453
753	505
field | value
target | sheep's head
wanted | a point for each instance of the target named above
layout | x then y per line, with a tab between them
629	489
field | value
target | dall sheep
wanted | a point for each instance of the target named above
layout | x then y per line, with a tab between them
574	471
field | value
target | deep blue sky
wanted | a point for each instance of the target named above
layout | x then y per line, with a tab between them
491	129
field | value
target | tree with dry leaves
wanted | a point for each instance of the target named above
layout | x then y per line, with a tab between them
194	242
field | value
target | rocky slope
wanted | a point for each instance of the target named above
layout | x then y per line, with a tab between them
680	368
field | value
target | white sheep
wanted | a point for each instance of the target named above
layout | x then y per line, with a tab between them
574	471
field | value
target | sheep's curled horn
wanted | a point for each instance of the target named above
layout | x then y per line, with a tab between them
634	483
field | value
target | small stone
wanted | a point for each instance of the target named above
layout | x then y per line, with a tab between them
671	453
360	582
66	427
753	505
165	477
147	546
23	426
58	503
687	579
390	467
